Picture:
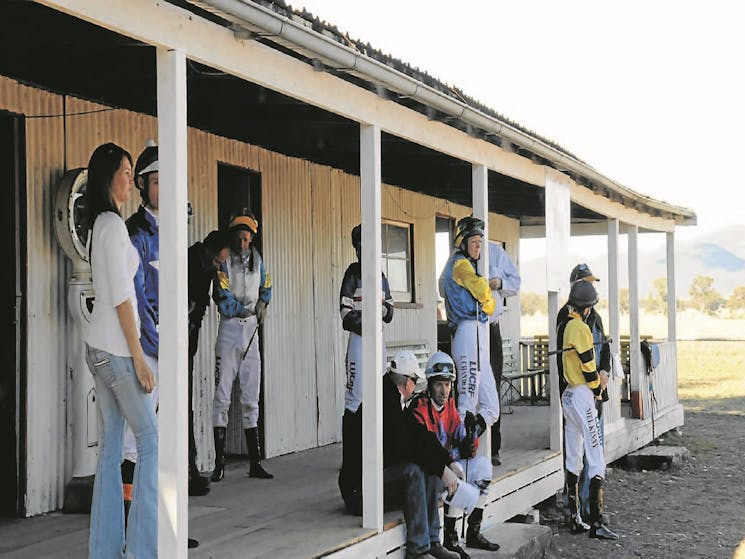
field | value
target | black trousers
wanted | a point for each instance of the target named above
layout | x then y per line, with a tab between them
497	362
351	462
193	344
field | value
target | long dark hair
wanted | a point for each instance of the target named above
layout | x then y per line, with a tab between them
103	165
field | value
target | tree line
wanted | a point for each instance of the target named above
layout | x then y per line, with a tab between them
702	297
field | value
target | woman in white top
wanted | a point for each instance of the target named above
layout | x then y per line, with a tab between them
121	374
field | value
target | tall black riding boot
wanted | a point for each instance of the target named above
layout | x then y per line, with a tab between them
576	524
128	473
199	485
450	539
474	537
254	455
219	472
597	528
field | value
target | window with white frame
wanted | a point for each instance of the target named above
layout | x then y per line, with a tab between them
397	259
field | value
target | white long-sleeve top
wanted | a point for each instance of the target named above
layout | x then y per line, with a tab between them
500	266
114	262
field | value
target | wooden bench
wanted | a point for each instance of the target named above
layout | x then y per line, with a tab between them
419	347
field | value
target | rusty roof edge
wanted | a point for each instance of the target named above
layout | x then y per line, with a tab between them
253	15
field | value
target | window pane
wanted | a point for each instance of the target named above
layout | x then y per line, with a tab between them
398	242
398	275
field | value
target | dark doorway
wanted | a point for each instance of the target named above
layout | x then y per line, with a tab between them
239	188
12	312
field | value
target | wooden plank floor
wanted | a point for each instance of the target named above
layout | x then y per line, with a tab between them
297	514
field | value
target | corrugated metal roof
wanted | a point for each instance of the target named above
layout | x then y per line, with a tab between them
539	149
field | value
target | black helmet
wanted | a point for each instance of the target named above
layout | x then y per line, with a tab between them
582	272
146	163
357	237
583	295
467	227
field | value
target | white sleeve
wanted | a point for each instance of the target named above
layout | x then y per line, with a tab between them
113	249
502	267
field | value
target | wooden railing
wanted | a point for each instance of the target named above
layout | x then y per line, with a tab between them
663	380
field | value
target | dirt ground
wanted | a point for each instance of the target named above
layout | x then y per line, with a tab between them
694	510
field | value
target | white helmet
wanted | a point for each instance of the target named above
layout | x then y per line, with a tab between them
404	363
440	367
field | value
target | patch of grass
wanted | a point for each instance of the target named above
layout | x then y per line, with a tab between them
711	376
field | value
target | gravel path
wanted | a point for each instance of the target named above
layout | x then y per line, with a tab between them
694	510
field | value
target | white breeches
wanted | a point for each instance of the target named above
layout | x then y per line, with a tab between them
231	360
477	390
478	471
582	432
353	393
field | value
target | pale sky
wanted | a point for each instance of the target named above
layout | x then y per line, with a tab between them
650	93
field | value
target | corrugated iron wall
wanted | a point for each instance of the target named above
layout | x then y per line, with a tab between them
46	343
308	213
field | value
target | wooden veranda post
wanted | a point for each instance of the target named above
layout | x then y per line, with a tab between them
558	214
480	198
372	334
671	299
172	356
635	355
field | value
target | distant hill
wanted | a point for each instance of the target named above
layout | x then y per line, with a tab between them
719	253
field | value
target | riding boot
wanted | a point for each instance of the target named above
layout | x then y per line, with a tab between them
597	528
254	455
450	539
219	471
199	485
128	472
474	537
576	524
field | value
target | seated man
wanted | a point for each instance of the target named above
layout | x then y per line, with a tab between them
408	472
436	411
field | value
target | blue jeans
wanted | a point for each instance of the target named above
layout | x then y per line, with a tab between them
420	496
120	396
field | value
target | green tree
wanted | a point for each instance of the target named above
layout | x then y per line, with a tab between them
703	295
736	301
623	300
532	303
656	301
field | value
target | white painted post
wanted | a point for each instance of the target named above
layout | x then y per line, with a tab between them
671	299
614	389
613	290
555	413
480	198
172	355
558	233
634	349
372	332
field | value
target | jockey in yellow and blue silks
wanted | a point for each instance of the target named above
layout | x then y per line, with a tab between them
242	291
468	303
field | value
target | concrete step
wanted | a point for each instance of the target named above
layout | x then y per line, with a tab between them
660	457
517	541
